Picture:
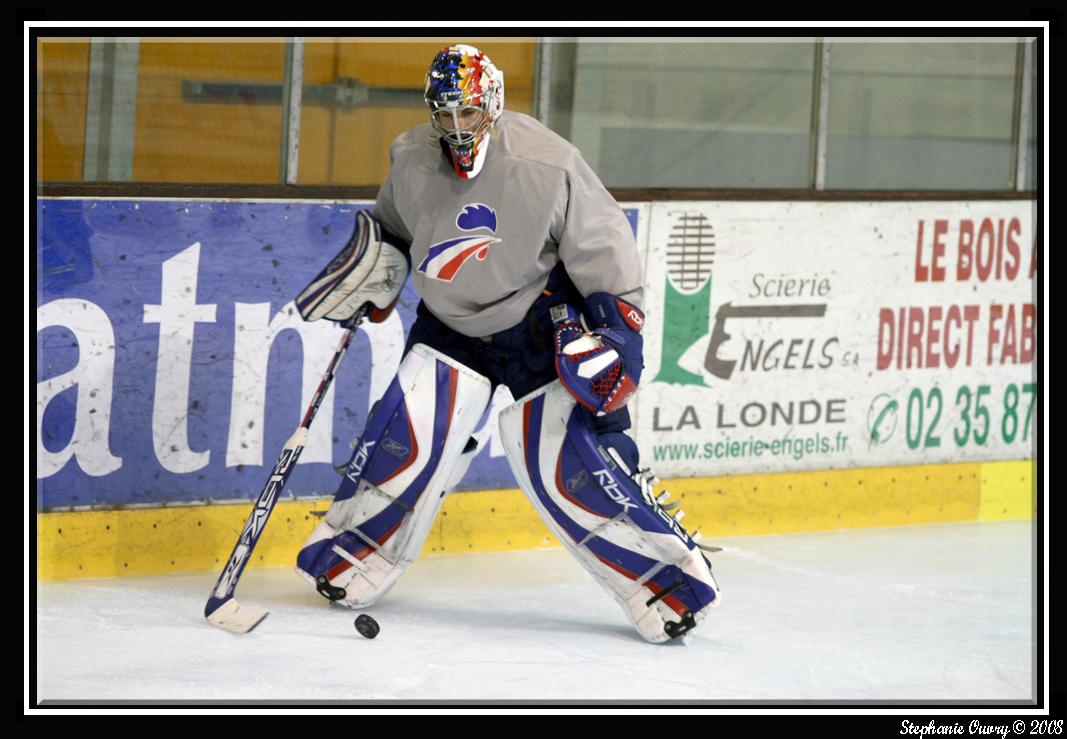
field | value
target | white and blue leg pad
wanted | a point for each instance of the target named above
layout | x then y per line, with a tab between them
615	528
414	448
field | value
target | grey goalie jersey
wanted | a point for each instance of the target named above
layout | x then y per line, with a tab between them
482	249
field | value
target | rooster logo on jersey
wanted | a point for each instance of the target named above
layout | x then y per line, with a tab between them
446	258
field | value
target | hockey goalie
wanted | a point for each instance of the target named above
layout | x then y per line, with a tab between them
529	277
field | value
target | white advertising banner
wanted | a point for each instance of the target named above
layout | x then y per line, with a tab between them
795	336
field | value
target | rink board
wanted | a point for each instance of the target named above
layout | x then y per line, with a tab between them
196	538
787	376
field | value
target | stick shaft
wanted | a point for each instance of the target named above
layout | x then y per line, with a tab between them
268	497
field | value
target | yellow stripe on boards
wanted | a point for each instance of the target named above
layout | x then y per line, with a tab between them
1008	491
159	540
200	538
829	499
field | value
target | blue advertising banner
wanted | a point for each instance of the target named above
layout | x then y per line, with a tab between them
170	357
172	365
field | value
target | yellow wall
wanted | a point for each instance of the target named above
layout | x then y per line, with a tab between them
180	141
62	85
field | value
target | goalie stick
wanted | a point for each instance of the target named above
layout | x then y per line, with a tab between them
222	609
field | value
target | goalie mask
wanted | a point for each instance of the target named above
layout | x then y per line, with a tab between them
465	95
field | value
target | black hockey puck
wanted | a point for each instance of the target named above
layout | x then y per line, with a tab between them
367	626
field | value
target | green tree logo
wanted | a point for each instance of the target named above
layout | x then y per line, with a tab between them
687	294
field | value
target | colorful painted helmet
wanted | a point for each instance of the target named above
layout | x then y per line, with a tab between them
465	95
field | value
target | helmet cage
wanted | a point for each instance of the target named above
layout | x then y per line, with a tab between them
457	123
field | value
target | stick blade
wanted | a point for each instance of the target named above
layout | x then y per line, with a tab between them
230	616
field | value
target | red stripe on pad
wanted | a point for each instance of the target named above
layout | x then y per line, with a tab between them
673	603
362	554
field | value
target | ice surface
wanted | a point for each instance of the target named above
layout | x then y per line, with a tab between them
911	614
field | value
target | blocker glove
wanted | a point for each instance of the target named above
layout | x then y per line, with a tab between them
601	366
